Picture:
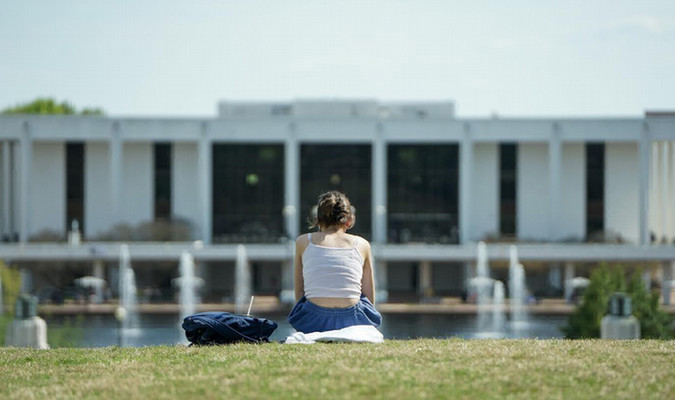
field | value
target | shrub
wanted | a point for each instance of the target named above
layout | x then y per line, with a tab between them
586	319
654	322
11	285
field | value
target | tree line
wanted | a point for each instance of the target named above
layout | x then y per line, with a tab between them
50	106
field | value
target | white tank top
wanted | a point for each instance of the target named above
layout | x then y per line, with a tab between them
332	271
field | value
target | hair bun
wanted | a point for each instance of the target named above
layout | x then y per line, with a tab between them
332	209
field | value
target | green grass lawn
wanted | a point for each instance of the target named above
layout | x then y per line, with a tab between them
423	368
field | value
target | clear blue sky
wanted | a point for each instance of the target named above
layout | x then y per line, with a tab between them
179	58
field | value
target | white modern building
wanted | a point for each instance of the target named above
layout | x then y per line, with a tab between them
569	192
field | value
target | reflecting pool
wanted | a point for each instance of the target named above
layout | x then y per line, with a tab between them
162	329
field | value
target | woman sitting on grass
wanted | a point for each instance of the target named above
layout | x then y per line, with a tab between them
334	285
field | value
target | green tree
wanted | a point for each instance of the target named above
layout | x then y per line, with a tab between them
10	279
49	106
10	285
586	319
655	323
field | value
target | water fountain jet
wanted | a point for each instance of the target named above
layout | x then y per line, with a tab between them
517	293
482	284
188	285
489	299
242	280
128	311
498	307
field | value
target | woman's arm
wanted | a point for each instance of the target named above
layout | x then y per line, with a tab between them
299	283
368	280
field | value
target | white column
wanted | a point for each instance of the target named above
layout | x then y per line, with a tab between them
569	275
667	281
555	276
381	287
379	209
115	150
98	269
645	151
6	189
663	190
647	279
653	171
98	272
671	191
425	289
26	278
379	198
291	183
466	162
657	190
555	168
468	270
287	294
3	191
205	183
667	202
290	211
25	200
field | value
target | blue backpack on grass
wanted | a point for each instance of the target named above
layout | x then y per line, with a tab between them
223	328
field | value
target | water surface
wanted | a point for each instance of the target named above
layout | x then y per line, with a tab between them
102	330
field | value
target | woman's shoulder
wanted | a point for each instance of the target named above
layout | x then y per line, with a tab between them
362	246
302	242
303	239
359	241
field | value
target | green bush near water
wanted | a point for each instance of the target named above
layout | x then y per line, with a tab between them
67	334
11	285
585	321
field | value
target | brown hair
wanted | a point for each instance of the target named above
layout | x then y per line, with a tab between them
333	208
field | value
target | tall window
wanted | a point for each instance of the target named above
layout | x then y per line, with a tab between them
595	189
248	193
422	193
75	185
346	168
162	181
508	156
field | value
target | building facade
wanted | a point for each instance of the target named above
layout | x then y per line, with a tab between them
427	186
